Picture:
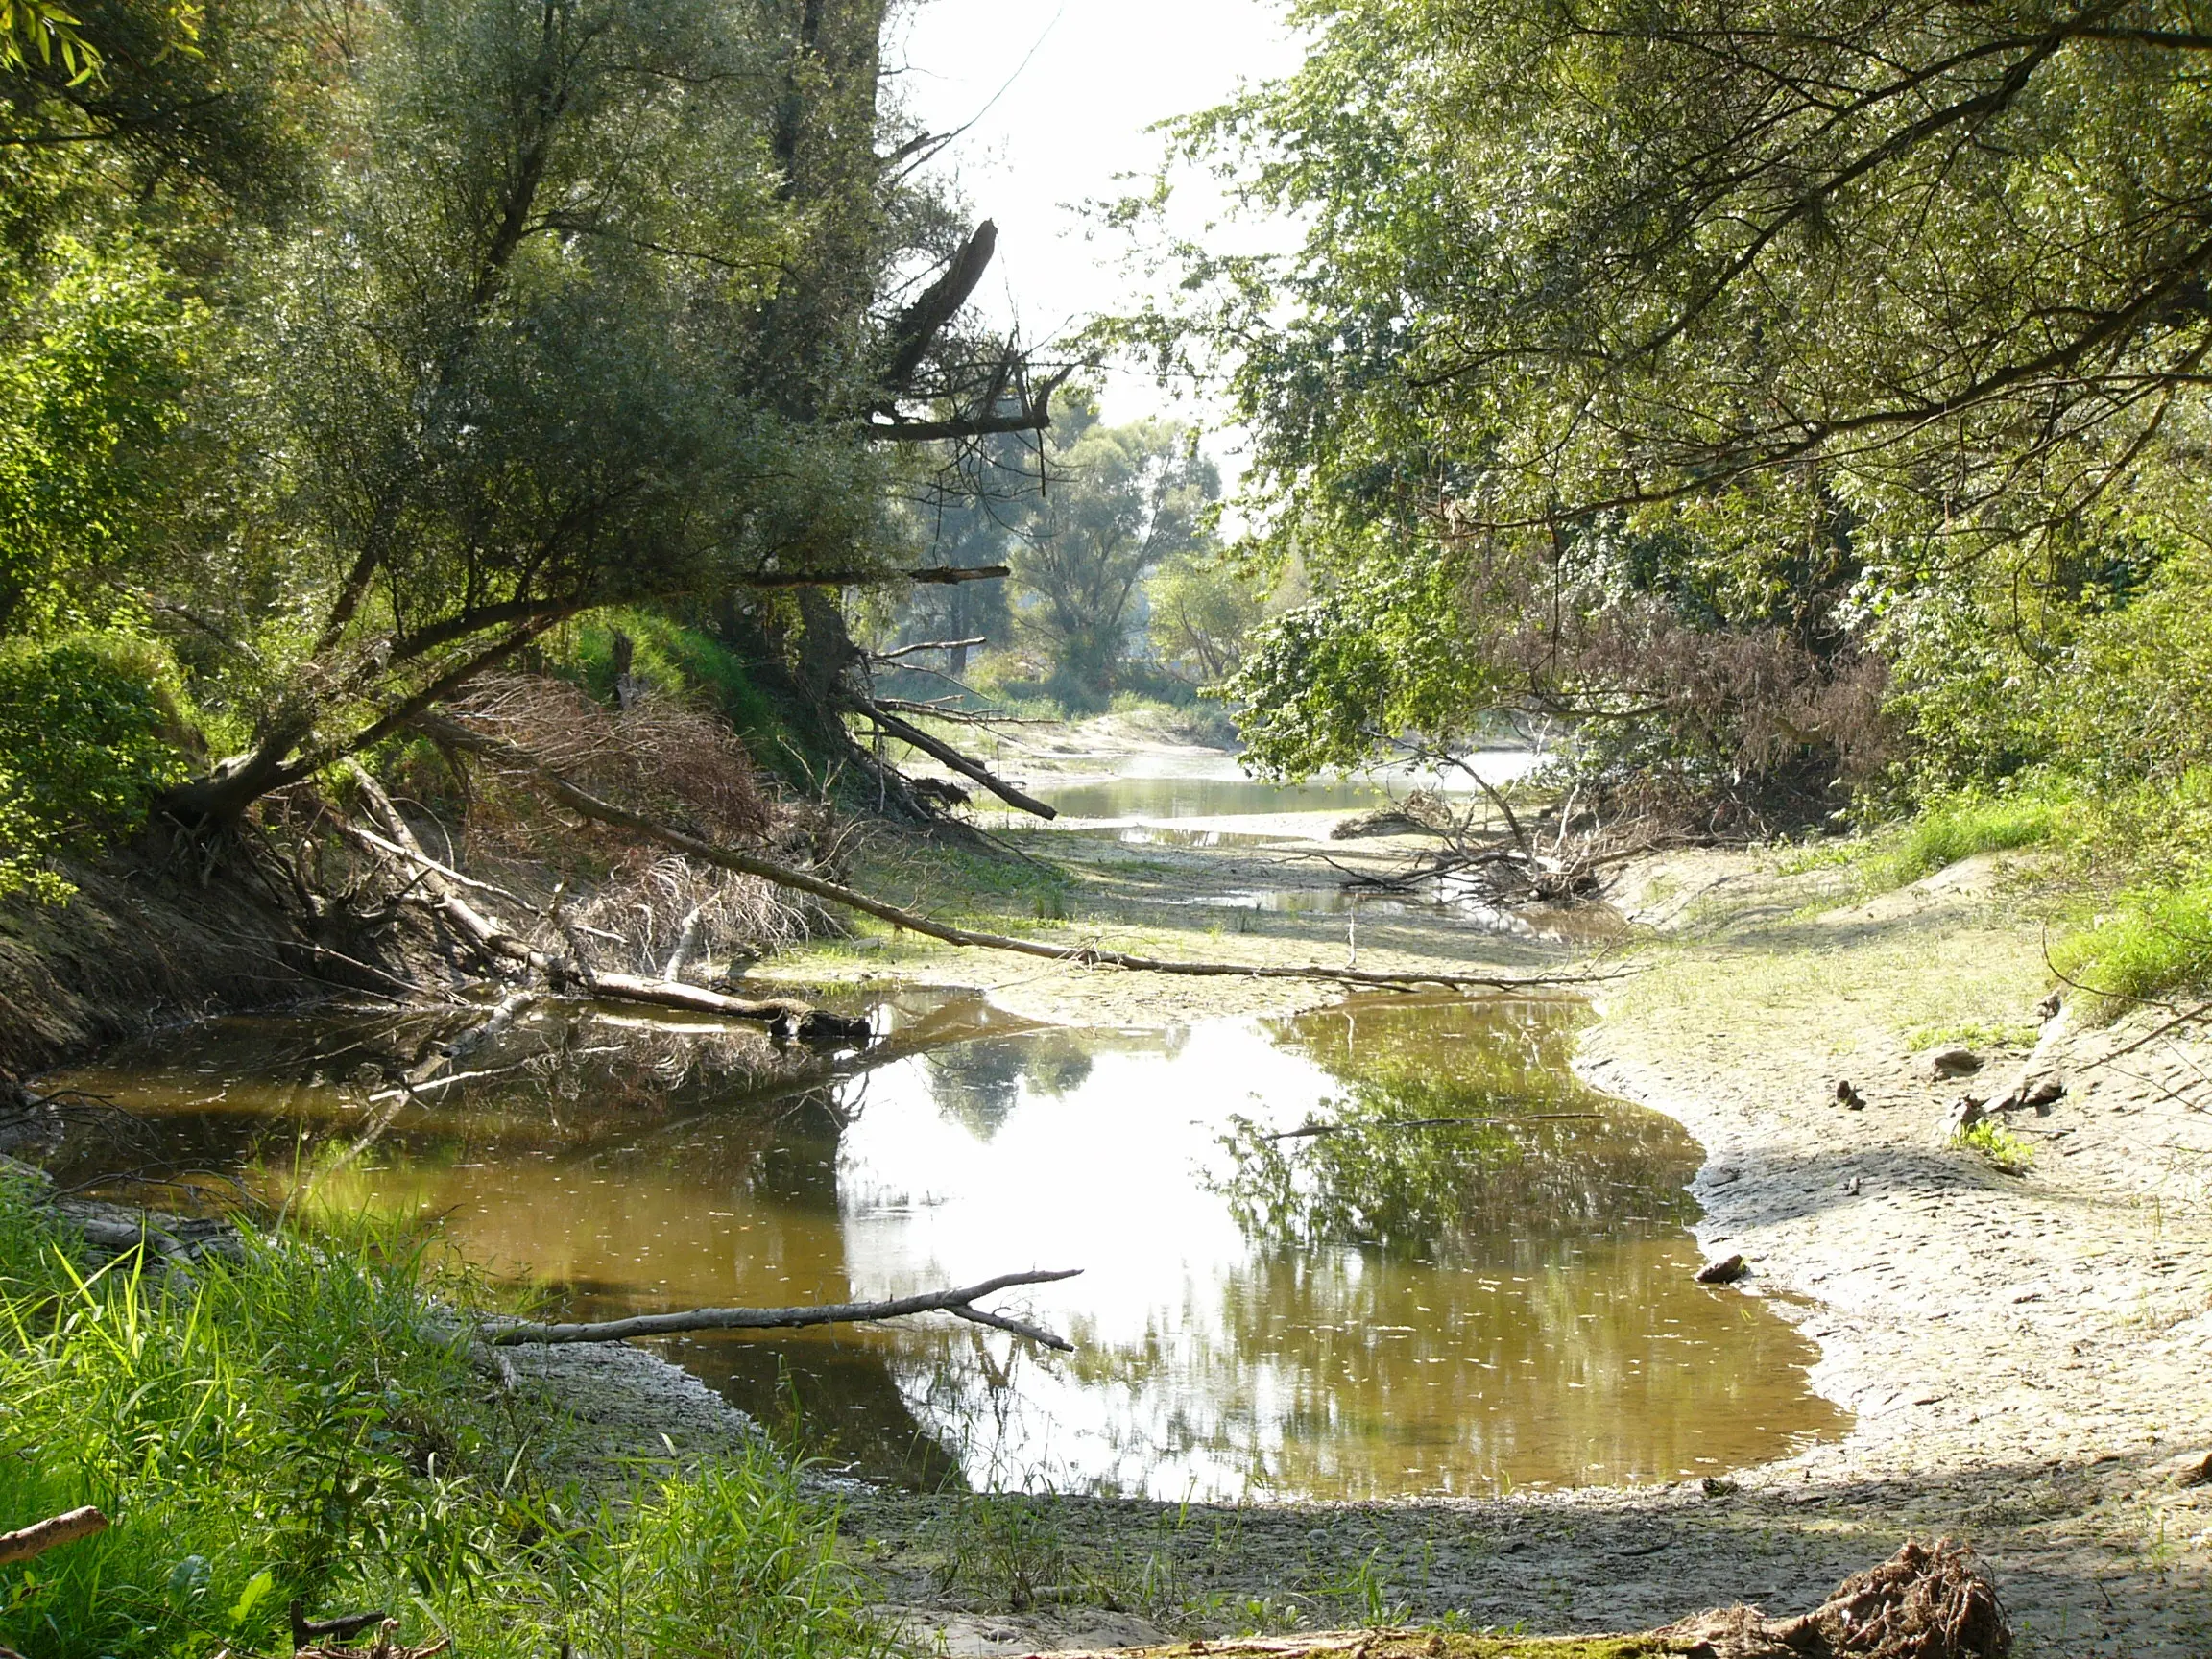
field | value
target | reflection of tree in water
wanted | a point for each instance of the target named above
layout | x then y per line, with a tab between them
979	1084
1388	1178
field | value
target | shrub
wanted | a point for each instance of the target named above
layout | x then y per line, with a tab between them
89	735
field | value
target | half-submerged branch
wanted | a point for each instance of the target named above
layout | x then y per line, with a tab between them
591	805
958	1303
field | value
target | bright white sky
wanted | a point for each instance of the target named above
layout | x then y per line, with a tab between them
1097	74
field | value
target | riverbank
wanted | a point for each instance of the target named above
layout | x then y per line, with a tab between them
2023	1355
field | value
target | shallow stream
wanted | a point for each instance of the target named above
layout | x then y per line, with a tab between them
1398	1305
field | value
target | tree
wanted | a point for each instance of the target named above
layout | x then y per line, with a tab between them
571	353
1117	501
1899	291
1203	611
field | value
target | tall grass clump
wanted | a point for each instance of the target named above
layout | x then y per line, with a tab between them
307	1423
2158	943
1958	827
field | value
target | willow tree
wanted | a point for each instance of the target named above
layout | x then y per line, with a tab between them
515	371
1752	317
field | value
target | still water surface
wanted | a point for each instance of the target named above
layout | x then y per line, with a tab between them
1153	790
1398	1305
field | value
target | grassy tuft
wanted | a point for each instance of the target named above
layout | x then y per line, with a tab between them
2159	942
307	1423
2004	1149
1960	828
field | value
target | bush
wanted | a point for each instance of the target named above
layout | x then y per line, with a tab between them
89	735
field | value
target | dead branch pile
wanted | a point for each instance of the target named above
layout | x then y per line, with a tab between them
551	947
689	765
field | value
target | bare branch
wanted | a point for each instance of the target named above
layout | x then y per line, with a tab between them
44	1535
792	1318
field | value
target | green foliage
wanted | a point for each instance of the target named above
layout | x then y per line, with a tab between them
2159	942
86	398
307	1423
88	736
2005	1150
1330	682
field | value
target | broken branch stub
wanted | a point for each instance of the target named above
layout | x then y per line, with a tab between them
955	1302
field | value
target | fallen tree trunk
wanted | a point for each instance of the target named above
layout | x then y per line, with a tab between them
955	1301
44	1535
593	807
907	732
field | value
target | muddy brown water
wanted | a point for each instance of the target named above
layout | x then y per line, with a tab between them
1398	1305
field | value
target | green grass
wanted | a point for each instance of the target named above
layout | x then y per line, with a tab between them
2157	944
1972	1034
1950	830
306	1424
2004	1149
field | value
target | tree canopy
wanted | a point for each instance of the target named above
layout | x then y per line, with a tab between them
1666	315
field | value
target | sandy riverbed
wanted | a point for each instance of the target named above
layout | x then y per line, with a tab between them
2027	1357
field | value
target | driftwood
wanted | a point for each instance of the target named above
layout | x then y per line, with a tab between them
499	943
591	805
955	1301
49	1534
